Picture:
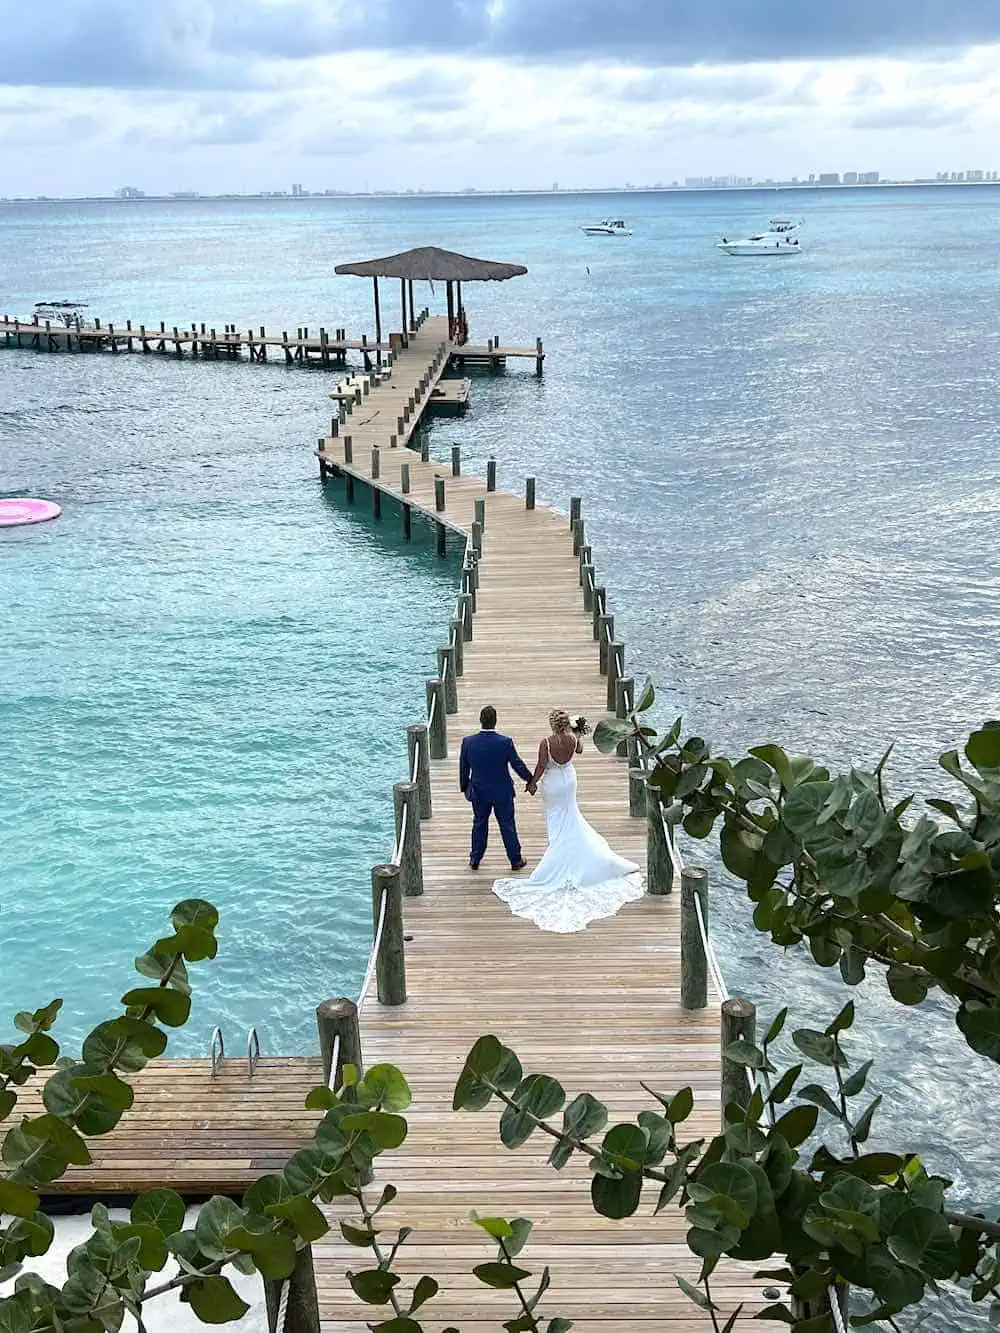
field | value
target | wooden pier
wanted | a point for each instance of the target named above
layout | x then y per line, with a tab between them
600	1009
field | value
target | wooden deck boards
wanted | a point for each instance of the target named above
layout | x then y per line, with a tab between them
599	1009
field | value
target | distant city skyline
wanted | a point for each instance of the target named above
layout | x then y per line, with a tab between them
208	97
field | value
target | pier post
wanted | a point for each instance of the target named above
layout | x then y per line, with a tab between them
624	703
348	449
302	1308
477	538
588	587
437	722
539	357
456	632
390	961
480	511
694	960
586	558
491	474
442	540
446	670
739	1023
407	512
577	536
575	504
439	494
659	868
469	582
377	501
529	493
376	461
339	1018
616	660
637	793
404	478
416	749
600	601
820	1307
606	633
456	460
411	864
465	603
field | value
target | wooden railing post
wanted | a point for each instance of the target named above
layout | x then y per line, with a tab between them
575	505
739	1023
404	478
586	558
616	659
390	963
659	867
588	587
339	1018
477	538
437	721
411	861
465	602
694	960
480	510
456	460
446	670
416	748
637	793
529	493
439	494
457	635
600	601
302	1310
491	474
605	636
578	536
624	703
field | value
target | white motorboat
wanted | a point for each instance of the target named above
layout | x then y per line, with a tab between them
609	227
778	242
67	313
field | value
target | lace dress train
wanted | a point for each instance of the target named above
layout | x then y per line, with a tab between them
579	879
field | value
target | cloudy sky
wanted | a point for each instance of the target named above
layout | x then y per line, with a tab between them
243	95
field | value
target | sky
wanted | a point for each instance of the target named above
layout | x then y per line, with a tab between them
245	95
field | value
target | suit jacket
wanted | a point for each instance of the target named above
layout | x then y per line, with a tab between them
484	767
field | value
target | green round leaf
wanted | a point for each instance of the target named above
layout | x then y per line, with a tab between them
616	1198
163	1209
213	1300
922	1239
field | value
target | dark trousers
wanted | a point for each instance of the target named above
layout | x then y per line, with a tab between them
504	811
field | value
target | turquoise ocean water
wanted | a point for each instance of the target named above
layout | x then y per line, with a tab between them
791	480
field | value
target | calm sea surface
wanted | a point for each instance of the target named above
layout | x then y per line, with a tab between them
791	480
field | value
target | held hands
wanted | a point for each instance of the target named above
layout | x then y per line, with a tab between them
532	787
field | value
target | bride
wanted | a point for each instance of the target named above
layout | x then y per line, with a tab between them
580	878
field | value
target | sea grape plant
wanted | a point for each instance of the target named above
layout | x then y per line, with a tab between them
790	1182
122	1266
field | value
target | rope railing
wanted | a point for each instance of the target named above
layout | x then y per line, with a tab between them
334	1062
376	945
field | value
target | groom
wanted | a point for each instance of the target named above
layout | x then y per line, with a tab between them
484	778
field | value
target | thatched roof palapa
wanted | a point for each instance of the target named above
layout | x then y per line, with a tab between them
430	264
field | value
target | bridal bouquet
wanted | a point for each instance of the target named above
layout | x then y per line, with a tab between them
579	725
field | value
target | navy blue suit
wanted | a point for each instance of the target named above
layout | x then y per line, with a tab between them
484	777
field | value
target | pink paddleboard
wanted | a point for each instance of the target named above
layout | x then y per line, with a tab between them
15	512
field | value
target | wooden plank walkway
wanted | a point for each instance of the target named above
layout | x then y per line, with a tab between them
599	1009
194	1133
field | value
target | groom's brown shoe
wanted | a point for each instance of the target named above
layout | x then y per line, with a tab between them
521	865
473	865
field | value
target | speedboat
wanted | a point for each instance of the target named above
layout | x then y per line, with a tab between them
609	227
778	242
66	313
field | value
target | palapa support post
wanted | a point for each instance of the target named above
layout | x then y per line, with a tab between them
437	721
439	494
694	960
606	633
597	610
480	512
456	632
739	1023
302	1308
529	493
616	662
477	538
390	961
416	749
624	703
456	460
575	504
466	609
446	670
659	867
588	587
491	474
339	1018
637	793
411	863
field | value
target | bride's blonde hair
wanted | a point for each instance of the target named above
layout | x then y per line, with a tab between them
559	721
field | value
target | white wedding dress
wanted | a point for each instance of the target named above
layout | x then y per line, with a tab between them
580	878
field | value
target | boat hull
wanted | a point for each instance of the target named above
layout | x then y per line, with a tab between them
605	231
761	252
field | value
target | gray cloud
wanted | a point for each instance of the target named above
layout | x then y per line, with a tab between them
220	43
924	115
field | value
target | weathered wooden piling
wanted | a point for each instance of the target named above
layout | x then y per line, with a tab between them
739	1023
439	494
339	1018
390	960
529	493
694	960
406	801
491	474
446	670
437	721
659	867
